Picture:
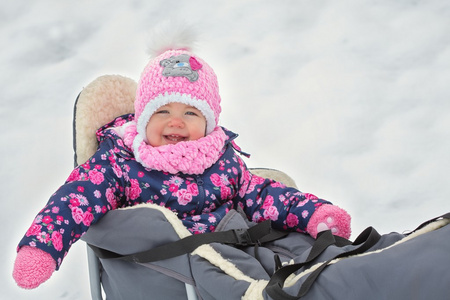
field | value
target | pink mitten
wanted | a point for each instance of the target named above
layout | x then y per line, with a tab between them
32	267
330	217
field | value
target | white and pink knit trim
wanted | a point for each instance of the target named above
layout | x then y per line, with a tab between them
190	157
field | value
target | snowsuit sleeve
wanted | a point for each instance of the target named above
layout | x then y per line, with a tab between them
264	199
91	190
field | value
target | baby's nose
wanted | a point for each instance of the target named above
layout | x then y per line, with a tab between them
176	122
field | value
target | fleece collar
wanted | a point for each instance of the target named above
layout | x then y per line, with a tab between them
189	157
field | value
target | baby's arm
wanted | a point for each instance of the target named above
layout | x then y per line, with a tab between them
290	209
91	190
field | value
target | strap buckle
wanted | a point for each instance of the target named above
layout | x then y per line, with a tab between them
243	237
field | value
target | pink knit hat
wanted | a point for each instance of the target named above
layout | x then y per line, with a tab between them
177	76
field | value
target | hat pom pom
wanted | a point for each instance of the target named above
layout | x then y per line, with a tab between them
172	35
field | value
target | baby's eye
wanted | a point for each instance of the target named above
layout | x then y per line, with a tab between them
191	113
162	111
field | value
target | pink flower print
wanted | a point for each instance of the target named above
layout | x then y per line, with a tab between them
193	189
97	209
75	202
96	177
140	174
134	191
111	197
43	237
277	184
292	220
57	240
199	228
196	218
246	176
88	217
176	180
215	179
55	209
244	186
255	181
225	192
59	218
224	179
34	230
120	122
257	217
77	215
305	214
74	176
234	170
80	189
249	202
117	170
97	194
212	219
283	199
83	200
163	191
268	202
173	188
219	180
50	227
47	220
184	197
302	203
310	196
271	213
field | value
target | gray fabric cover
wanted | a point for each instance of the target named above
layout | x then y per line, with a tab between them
415	269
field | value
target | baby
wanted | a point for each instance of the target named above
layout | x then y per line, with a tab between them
173	153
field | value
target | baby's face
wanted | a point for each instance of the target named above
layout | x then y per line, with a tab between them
173	123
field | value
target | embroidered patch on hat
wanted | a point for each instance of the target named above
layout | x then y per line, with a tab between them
181	65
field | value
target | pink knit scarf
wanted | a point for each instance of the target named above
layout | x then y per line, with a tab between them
190	157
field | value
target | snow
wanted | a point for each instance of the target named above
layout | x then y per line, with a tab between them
349	98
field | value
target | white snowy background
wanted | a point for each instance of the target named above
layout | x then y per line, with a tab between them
350	98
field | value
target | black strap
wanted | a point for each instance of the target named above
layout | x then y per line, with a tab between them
258	234
365	240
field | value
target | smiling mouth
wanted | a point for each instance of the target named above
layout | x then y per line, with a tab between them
174	138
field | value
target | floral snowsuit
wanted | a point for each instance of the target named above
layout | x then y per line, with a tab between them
112	178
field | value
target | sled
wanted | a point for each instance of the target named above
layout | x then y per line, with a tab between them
104	99
290	266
